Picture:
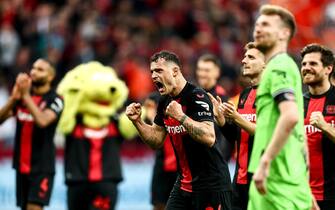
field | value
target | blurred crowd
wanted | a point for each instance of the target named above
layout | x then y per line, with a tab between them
125	33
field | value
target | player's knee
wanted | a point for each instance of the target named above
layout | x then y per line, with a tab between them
32	206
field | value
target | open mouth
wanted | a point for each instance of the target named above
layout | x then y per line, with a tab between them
159	86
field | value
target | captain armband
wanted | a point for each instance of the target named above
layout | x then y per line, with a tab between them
284	96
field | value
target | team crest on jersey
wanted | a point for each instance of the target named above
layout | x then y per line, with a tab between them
203	104
200	95
330	109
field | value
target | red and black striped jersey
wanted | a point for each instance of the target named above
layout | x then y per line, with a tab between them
321	148
246	107
93	154
34	149
200	168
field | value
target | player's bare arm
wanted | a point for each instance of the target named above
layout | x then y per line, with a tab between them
152	135
318	121
202	132
287	120
43	118
7	110
231	112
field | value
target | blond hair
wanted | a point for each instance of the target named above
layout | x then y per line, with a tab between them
286	16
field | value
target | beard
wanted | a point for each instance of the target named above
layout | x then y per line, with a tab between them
38	83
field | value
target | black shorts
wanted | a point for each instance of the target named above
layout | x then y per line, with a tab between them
182	200
161	185
240	196
92	195
326	204
33	188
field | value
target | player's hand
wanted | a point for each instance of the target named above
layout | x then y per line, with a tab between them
229	110
317	120
218	113
134	111
174	110
16	94
261	175
23	83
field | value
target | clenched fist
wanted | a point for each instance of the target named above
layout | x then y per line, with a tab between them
317	120
134	111
174	110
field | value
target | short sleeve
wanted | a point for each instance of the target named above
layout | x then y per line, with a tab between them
56	104
201	107
281	82
159	118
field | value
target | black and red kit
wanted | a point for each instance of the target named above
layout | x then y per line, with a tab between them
92	165
164	173
34	150
201	169
247	108
321	148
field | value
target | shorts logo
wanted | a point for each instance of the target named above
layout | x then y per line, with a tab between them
44	186
101	203
203	104
211	208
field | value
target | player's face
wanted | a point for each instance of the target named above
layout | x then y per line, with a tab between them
207	74
267	31
163	75
312	70
253	63
40	73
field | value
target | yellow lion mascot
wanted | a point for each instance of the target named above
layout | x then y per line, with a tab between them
94	131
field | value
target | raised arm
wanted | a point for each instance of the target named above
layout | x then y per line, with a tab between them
231	113
152	135
42	118
318	121
7	110
201	131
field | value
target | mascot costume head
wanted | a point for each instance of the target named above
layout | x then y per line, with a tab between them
95	93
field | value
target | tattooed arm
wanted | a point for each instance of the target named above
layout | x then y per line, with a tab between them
202	132
152	135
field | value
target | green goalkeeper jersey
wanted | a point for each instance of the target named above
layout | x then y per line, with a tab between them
281	75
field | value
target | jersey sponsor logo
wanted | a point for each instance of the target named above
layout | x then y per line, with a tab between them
249	117
57	105
203	104
177	129
23	116
204	114
95	134
312	129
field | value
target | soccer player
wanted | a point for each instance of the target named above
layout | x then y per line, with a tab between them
278	155
185	114
319	105
37	108
245	118
165	167
207	76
